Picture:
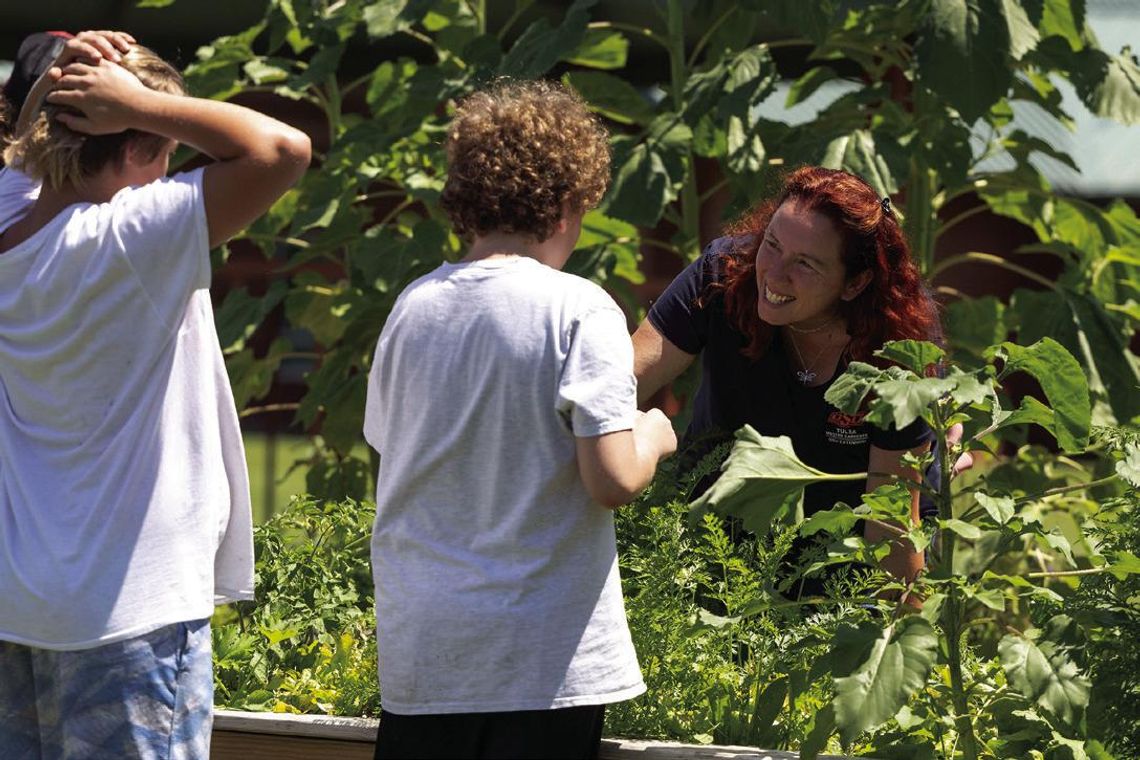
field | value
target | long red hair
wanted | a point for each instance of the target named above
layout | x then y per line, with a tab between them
895	305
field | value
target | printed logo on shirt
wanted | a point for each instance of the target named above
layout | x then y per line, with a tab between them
846	429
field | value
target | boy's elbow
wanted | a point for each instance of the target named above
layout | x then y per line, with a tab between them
612	493
295	150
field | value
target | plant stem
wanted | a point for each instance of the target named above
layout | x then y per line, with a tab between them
1067	573
989	258
1068	489
644	31
690	198
952	611
269	408
704	40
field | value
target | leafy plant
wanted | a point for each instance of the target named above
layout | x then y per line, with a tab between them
1037	701
925	79
308	643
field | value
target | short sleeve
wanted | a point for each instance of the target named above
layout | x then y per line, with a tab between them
597	392
161	228
18	191
678	314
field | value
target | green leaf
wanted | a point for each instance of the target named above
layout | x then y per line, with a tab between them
963	54
962	528
1044	674
1112	367
1124	564
992	598
745	150
153	3
1064	19
877	671
1129	467
1000	508
918	356
807	84
761	478
976	323
903	400
1023	35
1063	382
856	153
838	521
387	17
251	377
822	727
1110	85
611	96
242	313
1056	540
849	389
540	46
968	389
600	49
649	173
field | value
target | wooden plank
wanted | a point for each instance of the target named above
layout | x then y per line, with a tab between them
282	724
232	745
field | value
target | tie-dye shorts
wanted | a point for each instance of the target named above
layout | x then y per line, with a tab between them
149	697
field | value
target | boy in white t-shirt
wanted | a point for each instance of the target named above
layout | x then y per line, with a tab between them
124	500
503	405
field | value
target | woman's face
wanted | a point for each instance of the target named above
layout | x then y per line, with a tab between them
800	274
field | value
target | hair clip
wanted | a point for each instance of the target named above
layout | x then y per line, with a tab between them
886	204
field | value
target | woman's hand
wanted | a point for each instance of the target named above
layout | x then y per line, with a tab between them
104	93
966	460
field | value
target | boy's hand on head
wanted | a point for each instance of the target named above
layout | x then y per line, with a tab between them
90	47
104	94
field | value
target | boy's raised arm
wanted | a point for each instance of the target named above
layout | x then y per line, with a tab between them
257	158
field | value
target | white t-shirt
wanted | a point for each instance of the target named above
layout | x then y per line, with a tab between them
496	575
124	497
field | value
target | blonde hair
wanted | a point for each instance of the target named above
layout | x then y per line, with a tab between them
52	153
520	155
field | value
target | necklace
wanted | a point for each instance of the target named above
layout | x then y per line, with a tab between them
811	330
807	375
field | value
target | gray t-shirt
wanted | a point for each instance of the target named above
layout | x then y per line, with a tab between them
496	575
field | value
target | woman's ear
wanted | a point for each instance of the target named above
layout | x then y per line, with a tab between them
856	285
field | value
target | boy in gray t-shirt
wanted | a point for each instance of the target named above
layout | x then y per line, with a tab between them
503	404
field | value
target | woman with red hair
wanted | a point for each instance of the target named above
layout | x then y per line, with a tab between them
807	282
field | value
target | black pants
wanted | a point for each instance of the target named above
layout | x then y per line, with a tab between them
570	733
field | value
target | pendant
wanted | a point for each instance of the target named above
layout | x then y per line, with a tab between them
805	376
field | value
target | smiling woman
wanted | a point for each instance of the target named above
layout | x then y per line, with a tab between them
807	282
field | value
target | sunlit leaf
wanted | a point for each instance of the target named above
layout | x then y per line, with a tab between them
1045	675
761	478
1063	382
877	671
611	96
915	355
600	49
1000	508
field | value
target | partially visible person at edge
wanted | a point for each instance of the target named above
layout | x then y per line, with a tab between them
807	282
503	405
35	55
124	500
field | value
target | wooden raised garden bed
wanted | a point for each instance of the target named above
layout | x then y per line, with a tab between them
271	736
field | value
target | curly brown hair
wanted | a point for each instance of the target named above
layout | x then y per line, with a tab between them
520	155
51	152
